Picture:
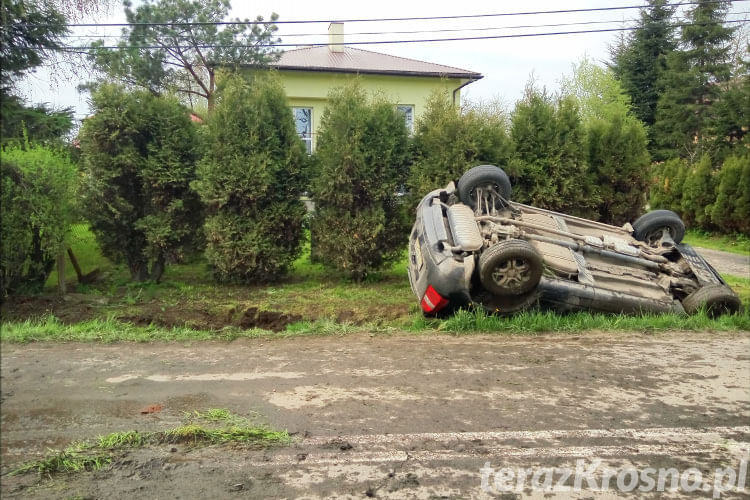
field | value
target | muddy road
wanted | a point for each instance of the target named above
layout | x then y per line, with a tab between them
391	416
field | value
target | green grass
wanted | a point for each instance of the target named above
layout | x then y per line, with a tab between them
50	329
97	454
77	457
310	290
741	286
87	252
127	439
534	322
738	243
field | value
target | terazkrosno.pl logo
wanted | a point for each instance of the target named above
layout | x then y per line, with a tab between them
590	475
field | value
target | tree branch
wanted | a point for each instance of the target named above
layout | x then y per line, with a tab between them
185	64
198	50
195	92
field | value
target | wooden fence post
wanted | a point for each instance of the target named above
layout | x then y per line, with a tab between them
61	271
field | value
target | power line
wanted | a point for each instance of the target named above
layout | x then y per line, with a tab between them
416	31
388	19
382	42
449	30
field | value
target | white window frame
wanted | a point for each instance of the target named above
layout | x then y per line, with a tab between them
307	136
408	111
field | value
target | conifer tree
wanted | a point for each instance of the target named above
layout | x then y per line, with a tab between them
640	61
693	82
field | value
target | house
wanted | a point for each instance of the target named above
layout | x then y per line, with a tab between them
308	75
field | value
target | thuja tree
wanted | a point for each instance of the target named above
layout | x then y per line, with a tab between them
250	179
362	155
667	180
37	207
699	193
449	141
139	154
616	143
731	211
548	168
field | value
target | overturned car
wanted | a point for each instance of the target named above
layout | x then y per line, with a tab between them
472	246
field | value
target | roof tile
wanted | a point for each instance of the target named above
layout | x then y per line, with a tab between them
354	60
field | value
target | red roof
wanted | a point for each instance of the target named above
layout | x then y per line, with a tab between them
353	60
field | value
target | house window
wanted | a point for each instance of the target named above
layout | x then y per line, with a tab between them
408	111
303	123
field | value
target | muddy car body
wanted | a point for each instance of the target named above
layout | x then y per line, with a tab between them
472	246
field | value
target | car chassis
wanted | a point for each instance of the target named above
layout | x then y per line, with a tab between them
472	246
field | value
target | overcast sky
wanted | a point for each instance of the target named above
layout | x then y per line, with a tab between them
507	64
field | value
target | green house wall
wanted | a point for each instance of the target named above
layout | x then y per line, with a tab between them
310	89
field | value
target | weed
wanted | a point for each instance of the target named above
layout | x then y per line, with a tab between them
131	299
216	414
85	456
128	439
76	458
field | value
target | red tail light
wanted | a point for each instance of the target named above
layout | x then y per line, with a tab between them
432	302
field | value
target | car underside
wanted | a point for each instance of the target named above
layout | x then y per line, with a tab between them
472	246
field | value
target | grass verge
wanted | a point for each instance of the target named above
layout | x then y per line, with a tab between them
534	322
734	243
91	456
526	323
189	306
51	329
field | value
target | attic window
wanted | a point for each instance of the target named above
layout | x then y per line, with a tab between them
408	111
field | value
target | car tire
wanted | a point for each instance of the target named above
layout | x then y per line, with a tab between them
648	227
483	175
717	300
511	267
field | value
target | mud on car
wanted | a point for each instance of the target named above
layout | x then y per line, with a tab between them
472	246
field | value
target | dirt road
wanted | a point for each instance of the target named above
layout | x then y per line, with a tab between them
726	262
390	417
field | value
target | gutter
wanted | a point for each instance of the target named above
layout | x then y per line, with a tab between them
471	80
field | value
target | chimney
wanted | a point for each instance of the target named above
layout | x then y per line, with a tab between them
336	37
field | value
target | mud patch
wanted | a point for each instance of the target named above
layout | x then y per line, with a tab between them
69	309
200	319
267	320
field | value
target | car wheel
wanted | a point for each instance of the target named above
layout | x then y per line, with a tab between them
484	182
716	299
650	227
510	267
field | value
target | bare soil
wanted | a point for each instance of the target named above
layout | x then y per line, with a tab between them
390	417
189	312
75	308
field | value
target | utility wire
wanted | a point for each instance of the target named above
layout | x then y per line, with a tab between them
389	19
382	42
418	31
356	33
